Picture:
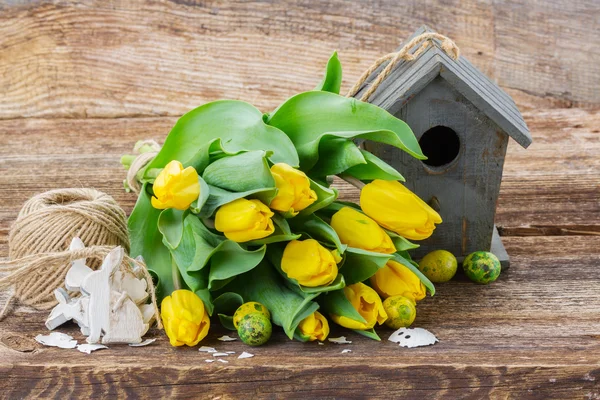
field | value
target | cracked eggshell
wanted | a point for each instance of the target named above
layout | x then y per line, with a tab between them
413	337
88	348
126	282
57	339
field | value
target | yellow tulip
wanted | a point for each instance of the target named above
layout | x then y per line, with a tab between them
357	230
315	327
396	280
309	263
398	209
368	304
243	220
175	187
293	190
184	318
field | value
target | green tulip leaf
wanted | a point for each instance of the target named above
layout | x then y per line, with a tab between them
374	168
311	118
229	260
170	224
401	244
196	206
327	212
264	285
206	298
325	196
370	333
146	241
219	197
409	264
336	156
237	124
199	246
228	303
336	303
332	81
360	265
317	229
276	237
227	322
240	173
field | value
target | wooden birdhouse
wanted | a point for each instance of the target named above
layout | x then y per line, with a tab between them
463	122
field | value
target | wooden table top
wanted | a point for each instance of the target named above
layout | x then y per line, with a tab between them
81	82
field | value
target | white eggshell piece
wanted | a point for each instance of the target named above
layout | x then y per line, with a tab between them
144	343
226	338
57	339
340	340
413	337
245	355
88	348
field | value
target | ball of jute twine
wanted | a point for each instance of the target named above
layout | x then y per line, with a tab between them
39	243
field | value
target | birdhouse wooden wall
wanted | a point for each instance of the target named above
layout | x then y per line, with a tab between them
461	179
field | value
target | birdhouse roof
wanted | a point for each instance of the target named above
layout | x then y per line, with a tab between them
409	77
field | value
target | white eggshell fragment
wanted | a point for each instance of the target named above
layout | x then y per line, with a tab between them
57	339
340	340
245	355
88	348
226	338
413	337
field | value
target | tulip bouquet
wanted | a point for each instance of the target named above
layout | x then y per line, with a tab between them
238	206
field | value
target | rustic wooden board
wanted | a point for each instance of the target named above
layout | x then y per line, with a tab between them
532	334
124	58
82	80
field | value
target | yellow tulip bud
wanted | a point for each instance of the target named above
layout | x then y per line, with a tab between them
315	327
243	220
184	318
309	263
396	280
357	230
175	187
398	209
293	189
368	304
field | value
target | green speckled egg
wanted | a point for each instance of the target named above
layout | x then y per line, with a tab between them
439	266
249	308
482	267
401	311
255	329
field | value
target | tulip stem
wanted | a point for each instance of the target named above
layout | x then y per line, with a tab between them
176	276
357	183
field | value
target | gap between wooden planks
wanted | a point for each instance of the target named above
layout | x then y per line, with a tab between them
533	333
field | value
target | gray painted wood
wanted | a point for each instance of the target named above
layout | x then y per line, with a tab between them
435	90
410	77
467	188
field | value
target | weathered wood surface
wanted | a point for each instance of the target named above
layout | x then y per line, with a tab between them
124	58
81	81
533	334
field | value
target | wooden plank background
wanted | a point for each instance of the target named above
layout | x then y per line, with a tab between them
105	59
82	81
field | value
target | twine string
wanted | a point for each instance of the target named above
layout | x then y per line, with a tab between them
39	243
423	40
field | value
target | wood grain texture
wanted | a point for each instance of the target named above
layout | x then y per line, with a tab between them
532	334
541	341
125	58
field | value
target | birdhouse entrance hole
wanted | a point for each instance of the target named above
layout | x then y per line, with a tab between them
441	145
